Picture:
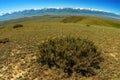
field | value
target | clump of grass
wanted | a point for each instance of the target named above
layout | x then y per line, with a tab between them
70	55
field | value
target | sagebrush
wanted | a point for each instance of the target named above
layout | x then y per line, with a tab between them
70	55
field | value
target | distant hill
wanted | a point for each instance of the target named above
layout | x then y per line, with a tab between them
60	11
85	20
92	21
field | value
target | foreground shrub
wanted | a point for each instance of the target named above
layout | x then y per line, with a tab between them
71	55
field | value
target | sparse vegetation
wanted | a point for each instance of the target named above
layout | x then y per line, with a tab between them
71	55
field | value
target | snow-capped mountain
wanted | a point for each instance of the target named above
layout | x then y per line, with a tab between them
58	11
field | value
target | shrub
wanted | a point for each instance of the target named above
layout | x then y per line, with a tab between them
17	26
4	40
71	55
87	25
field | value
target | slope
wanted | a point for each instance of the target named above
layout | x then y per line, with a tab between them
92	21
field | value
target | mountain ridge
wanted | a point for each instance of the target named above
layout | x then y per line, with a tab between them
58	11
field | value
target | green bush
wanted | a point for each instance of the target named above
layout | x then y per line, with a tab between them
71	55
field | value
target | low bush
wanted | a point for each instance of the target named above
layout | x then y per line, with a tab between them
70	55
17	26
87	25
4	40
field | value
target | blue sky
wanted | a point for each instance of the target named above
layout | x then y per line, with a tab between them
16	5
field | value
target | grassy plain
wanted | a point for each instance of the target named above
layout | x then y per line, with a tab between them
18	57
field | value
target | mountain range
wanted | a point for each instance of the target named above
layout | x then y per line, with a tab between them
58	11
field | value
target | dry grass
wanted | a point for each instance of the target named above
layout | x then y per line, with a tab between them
18	57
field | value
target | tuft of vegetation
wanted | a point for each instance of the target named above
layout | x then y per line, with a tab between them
71	55
17	26
4	40
88	25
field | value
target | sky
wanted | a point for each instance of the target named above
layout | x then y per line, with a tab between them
16	5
